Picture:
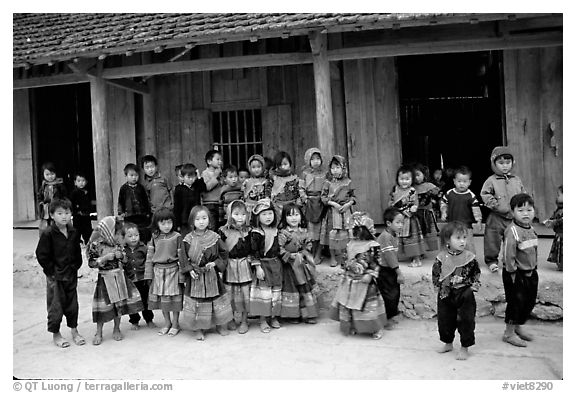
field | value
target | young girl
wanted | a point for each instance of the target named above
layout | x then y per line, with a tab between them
358	304
427	194
115	295
266	289
284	182
298	300
390	277
338	196
203	257
404	198
257	186
455	275
236	238
555	222
439	181
162	268
52	187
313	178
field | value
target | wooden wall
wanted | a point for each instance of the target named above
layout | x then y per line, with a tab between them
22	170
533	94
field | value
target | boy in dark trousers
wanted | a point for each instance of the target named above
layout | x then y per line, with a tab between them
520	275
496	193
58	252
186	196
133	204
81	207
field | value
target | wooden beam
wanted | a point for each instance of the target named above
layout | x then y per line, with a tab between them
56	80
126	84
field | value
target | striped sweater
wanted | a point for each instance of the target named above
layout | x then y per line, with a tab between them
520	248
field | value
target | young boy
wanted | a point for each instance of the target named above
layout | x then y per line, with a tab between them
496	193
81	207
133	204
58	252
520	276
229	192
460	204
243	174
157	186
135	262
186	196
211	176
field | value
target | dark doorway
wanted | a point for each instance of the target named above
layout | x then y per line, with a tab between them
62	129
451	110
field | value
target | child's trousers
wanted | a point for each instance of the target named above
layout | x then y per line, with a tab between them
61	300
520	295
493	237
143	288
457	311
389	288
83	225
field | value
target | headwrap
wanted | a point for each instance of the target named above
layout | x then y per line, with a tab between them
261	205
269	235
342	161
308	156
232	232
358	219
107	230
497	152
260	159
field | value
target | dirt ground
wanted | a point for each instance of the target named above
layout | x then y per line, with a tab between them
292	352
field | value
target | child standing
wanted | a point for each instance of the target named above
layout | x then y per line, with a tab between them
439	181
455	275
211	176
555	222
284	182
202	258
404	198
114	295
496	193
390	277
358	305
187	195
427	193
237	276
58	252
162	268
133	204
257	186
136	252
229	192
520	273
81	207
460	204
52	187
298	269
157	186
338	196
266	289
313	178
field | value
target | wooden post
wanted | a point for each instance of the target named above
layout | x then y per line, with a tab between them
149	113
324	119
102	170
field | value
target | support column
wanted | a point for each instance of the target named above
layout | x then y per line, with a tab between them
101	147
149	115
324	119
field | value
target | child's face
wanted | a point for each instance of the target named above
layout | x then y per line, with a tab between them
336	170
150	168
239	216
396	224
405	179
438	175
179	176
132	177
231	179
418	177
49	175
293	219
80	182
189	179
201	220
458	241
132	237
462	182
504	165
215	162
256	168
165	226
266	217
315	161
61	216
285	164
243	175
524	214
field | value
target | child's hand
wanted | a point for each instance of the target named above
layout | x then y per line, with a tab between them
194	275
548	223
400	277
259	273
335	204
118	254
344	207
475	286
443	217
413	208
210	265
110	256
366	279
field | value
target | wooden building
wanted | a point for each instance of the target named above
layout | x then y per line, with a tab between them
97	91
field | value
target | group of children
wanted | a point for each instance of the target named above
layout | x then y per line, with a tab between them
218	251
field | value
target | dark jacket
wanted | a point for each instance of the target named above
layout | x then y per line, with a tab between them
133	200
60	257
81	203
135	261
185	198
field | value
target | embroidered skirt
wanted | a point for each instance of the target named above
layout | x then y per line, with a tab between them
206	313
238	271
429	228
165	292
297	300
413	245
103	308
266	295
239	296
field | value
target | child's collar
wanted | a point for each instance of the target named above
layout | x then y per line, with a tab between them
521	225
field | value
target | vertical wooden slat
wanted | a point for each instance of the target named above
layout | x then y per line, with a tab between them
238	147
149	115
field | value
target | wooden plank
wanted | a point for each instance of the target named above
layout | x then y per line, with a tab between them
55	80
202	129
338	110
277	131
149	119
308	136
24	206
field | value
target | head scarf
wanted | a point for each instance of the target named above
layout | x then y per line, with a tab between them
269	235
497	152
358	219
342	161
260	159
107	230
261	205
232	232
308	156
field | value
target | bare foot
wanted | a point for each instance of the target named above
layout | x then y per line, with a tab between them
77	338
446	348
59	341
117	335
135	326
151	325
462	354
97	340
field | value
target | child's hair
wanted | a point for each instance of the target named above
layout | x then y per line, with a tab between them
210	155
463	170
194	212
281	155
80	174
160	215
256	220
243	169
390	214
421	168
362	233
229	169
188	169
405	169
131	167
50	166
63	203
178	169
128	225
520	200
449	229
504	156
268	163
287	210
149	158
